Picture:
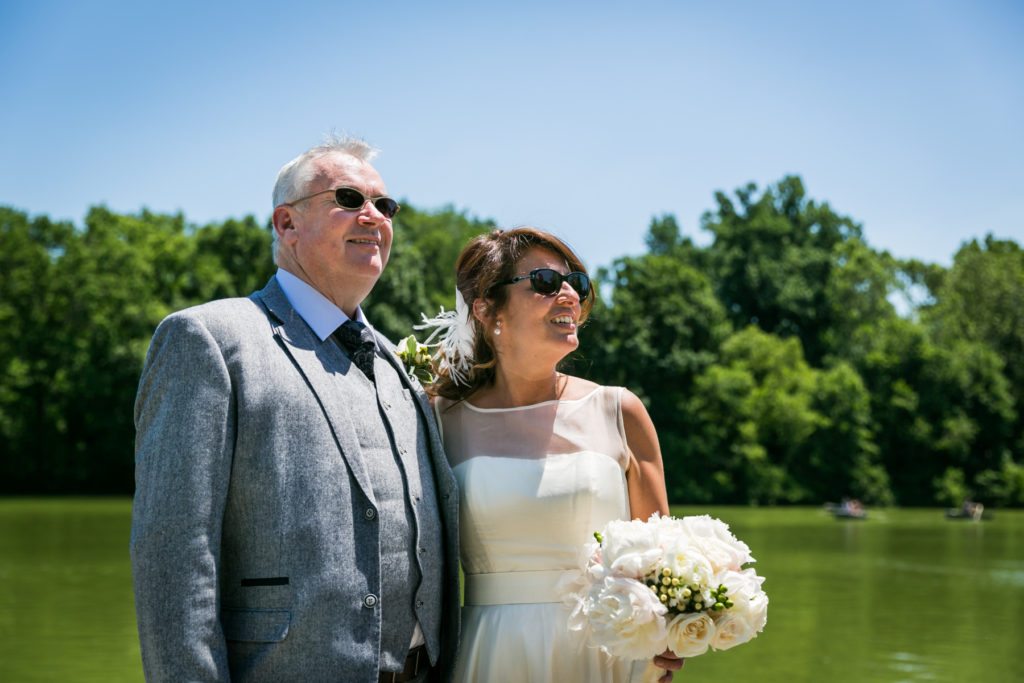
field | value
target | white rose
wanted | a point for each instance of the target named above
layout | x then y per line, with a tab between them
690	634
626	618
716	542
732	629
629	549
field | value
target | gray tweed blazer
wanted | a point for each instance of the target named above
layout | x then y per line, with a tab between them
254	541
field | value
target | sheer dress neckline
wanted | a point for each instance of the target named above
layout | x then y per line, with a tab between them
592	422
590	394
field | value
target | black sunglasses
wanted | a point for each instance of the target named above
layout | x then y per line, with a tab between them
351	199
548	281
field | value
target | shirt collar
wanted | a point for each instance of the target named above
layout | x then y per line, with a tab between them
318	311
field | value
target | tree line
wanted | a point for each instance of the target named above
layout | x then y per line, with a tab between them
785	362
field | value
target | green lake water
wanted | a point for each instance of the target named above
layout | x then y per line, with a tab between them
904	596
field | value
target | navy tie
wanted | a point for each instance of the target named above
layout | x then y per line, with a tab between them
357	340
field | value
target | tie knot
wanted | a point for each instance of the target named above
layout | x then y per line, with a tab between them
355	333
357	339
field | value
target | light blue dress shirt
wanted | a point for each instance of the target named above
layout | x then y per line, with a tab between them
318	311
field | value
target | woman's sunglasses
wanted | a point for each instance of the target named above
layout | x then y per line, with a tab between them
351	199
548	281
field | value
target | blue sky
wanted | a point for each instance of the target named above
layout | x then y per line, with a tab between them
584	118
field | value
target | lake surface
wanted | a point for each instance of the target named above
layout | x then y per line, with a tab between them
904	596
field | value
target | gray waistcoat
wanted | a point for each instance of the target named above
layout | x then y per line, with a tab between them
394	443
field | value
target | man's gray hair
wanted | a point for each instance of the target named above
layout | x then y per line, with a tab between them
294	177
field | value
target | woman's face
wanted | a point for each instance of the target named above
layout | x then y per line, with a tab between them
535	327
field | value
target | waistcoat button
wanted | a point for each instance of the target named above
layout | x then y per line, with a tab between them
370	600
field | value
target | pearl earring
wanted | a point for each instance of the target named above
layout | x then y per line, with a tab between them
497	329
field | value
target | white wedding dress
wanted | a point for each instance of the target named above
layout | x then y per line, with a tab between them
536	482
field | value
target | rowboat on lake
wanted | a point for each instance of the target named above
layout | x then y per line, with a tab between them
850	508
970	511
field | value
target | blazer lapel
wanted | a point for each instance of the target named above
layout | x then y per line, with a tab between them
320	363
423	405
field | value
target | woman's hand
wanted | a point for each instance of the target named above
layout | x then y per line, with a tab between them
667	660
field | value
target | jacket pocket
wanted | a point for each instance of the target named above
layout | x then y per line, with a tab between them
255	625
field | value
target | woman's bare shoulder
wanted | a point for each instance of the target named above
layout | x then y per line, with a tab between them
577	387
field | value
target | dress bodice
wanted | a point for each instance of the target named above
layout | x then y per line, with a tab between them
536	482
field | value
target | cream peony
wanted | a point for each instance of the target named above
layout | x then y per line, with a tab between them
629	549
668	531
625	618
749	601
713	538
688	563
749	613
690	635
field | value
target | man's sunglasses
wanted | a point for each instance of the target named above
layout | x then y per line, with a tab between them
351	199
548	281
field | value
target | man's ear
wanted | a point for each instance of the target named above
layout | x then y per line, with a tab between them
282	218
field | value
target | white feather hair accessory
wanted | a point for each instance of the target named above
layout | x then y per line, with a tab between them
455	337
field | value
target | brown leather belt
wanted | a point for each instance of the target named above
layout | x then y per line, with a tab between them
415	663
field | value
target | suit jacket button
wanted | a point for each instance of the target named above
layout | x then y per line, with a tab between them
370	513
370	601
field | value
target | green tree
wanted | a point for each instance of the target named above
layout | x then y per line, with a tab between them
841	455
772	258
420	275
771	429
661	327
858	293
826	389
981	299
79	309
233	258
29	251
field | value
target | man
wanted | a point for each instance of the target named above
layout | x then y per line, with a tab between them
294	517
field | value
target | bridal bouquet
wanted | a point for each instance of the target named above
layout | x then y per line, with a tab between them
667	583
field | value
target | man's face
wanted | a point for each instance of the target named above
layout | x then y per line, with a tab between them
336	247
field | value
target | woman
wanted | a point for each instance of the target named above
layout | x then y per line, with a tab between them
543	459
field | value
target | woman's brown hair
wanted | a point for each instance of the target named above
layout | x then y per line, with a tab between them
484	262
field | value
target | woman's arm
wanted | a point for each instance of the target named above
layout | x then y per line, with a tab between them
646	482
646	477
